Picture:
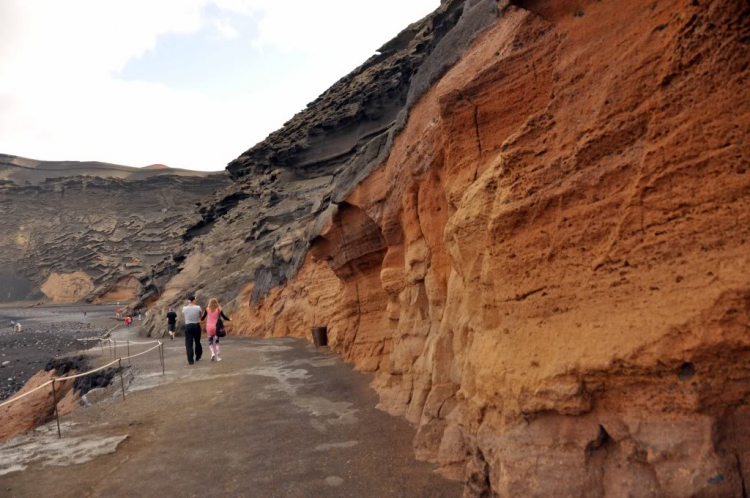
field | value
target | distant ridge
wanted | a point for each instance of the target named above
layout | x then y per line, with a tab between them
22	170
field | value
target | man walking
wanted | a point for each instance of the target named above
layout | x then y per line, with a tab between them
171	322
192	315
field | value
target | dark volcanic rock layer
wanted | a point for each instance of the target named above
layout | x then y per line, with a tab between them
530	220
288	187
91	237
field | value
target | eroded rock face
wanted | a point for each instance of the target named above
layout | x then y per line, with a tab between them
67	287
550	270
38	408
288	187
85	237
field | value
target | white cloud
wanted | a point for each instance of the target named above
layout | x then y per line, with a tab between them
224	28
61	96
340	27
84	36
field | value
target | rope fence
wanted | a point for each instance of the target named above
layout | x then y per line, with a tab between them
113	344
118	360
13	400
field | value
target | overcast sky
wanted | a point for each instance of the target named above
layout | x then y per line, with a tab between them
187	83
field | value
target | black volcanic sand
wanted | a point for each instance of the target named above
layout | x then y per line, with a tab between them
49	331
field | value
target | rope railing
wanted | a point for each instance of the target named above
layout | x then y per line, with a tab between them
84	374
106	334
137	343
13	400
112	342
159	346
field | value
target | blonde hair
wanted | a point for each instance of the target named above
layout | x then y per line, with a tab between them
213	304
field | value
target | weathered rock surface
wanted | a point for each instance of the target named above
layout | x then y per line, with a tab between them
540	244
93	236
288	187
38	408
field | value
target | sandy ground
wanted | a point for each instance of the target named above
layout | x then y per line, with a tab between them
275	418
48	331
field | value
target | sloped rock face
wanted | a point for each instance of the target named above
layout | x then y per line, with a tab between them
74	238
550	270
288	187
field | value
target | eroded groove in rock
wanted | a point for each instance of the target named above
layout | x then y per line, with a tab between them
561	311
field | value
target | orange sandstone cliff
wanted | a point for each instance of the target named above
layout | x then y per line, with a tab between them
548	272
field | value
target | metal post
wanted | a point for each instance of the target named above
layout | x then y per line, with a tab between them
122	382
57	414
109	341
115	349
161	350
102	346
128	352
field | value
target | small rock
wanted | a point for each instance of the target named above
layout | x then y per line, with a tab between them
7	362
334	481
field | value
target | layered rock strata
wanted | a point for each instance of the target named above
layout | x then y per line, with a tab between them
287	188
89	237
547	263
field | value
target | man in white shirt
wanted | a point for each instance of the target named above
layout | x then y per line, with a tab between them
192	314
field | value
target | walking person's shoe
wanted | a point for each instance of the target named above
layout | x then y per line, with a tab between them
218	358
212	357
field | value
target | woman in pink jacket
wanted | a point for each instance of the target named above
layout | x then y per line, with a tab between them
213	317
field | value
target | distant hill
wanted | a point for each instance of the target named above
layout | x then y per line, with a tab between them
21	170
91	230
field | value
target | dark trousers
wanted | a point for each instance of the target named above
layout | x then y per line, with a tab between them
193	333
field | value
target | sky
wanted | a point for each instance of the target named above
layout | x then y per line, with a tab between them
188	83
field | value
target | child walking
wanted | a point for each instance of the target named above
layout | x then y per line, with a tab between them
214	316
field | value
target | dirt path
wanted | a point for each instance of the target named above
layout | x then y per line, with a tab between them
274	418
